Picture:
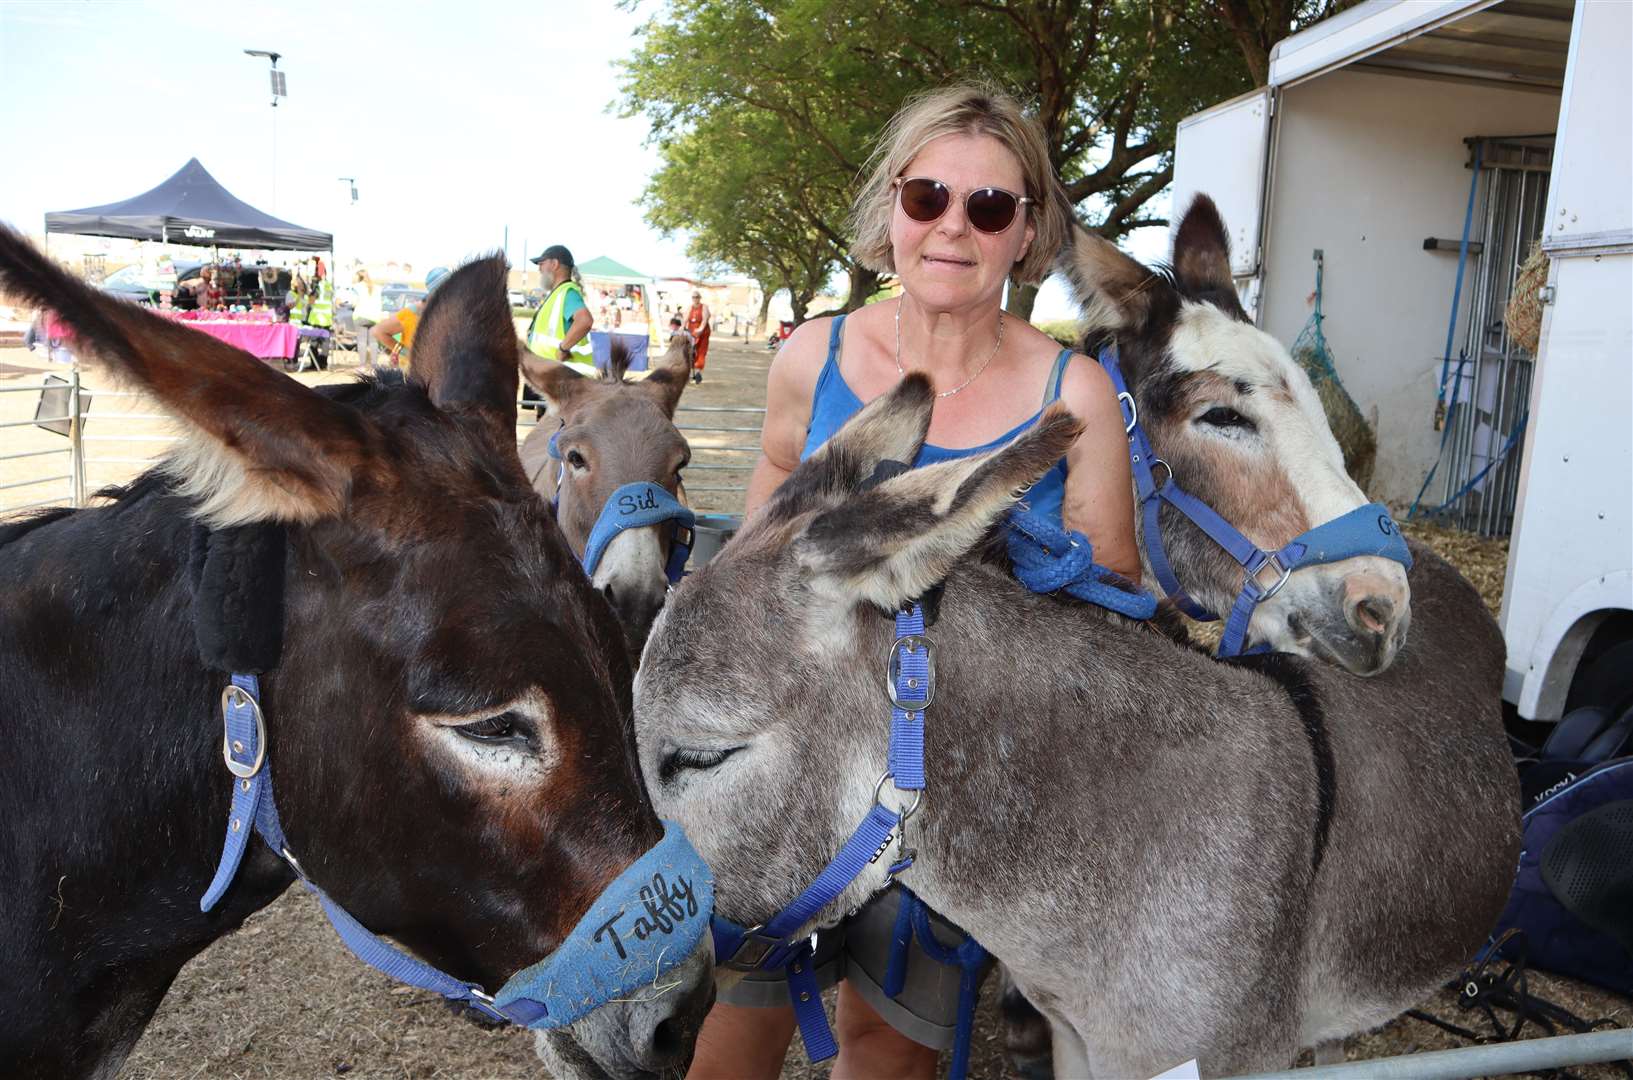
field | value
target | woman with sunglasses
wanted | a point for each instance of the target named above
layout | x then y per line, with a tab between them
961	199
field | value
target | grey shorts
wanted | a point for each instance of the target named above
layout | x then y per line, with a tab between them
858	950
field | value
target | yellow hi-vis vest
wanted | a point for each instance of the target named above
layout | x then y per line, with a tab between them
549	327
323	306
297	307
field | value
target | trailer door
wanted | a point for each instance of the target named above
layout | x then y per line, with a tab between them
1570	562
1221	152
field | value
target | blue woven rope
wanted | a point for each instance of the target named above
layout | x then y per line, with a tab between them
1049	559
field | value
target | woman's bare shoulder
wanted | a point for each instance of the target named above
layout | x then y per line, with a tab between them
799	360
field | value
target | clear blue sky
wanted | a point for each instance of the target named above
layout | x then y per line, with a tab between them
456	118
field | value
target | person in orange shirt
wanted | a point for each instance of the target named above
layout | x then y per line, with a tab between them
697	324
395	332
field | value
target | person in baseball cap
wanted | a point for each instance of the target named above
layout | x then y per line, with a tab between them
395	332
561	327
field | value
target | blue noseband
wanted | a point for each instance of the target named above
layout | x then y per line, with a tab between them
635	506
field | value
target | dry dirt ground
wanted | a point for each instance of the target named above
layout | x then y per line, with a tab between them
283	998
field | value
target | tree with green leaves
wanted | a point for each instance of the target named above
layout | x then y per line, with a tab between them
812	83
769	237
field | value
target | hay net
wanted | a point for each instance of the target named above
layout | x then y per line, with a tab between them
1313	354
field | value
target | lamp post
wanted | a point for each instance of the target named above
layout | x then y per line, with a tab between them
351	183
280	88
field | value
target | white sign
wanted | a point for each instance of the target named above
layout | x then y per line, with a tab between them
1187	1071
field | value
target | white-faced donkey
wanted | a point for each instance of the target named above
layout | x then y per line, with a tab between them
1175	857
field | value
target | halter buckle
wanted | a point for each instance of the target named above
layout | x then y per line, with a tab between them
751	951
893	670
235	697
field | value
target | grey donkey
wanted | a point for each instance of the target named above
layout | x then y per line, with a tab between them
1175	857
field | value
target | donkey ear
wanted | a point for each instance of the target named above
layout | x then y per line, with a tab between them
263	446
464	349
558	383
669	377
1202	249
890	543
891	427
1112	290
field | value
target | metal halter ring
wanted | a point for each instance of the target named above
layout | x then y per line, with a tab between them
1155	461
235	697
1133	412
1286	572
913	807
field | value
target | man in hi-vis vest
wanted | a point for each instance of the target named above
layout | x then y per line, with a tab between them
561	326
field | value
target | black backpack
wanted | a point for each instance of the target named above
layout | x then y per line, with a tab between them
1573	892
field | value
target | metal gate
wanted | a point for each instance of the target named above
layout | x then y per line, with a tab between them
1492	383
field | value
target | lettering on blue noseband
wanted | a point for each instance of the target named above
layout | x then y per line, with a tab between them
665	907
634	503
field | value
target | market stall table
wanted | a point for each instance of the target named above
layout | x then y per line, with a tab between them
253	332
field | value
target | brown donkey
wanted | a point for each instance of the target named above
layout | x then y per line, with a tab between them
601	434
446	701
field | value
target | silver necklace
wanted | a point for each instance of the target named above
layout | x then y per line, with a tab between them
984	364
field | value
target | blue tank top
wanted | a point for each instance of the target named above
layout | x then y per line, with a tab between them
834	402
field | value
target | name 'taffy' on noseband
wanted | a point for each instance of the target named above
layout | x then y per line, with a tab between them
1365	530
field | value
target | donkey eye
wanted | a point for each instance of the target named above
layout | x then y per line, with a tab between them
692	758
1221	416
576	460
506	727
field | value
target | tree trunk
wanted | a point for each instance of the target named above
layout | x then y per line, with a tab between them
765	307
1021	299
864	283
799	302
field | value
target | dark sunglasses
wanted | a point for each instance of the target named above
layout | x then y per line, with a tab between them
990	209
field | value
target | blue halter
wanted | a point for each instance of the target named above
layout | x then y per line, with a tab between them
772	944
1366	530
635	506
646	922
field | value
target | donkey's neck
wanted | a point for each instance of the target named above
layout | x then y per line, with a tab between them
120	721
1052	720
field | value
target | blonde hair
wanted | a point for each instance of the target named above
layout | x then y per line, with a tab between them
961	109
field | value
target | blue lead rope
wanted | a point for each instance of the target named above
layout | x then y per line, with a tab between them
1049	559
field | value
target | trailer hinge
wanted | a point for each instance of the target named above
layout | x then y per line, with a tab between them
1546	293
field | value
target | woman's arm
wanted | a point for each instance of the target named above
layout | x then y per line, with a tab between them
385	328
1099	485
788	389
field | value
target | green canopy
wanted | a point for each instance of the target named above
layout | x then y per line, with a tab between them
602	268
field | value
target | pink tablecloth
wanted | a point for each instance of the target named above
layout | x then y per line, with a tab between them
257	339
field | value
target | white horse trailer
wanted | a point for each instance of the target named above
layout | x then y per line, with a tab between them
1423	147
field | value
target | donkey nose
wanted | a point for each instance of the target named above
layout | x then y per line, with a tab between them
1370	604
671	1032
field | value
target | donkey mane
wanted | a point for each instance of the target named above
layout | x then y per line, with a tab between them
617	362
